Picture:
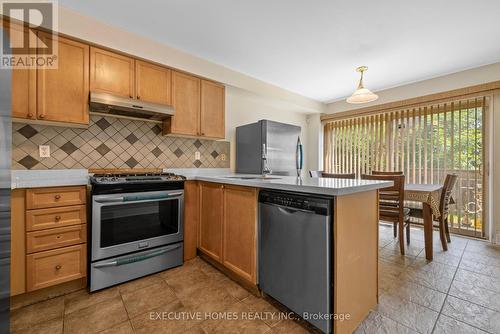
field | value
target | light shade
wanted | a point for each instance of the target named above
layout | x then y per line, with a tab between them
362	95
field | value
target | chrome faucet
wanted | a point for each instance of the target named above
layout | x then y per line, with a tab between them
265	167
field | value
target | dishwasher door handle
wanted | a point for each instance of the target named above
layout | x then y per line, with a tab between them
292	211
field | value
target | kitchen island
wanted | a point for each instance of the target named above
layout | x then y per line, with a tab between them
226	218
221	224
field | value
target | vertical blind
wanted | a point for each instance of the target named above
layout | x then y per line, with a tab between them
426	143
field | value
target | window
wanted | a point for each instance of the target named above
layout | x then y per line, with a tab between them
426	143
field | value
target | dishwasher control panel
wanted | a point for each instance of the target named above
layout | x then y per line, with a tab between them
319	205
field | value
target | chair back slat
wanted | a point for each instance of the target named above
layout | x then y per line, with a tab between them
444	203
378	172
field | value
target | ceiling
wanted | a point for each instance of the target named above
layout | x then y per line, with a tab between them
312	47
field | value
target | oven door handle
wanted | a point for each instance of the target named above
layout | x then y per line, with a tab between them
138	258
137	198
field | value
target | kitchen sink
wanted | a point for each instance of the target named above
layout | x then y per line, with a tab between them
253	177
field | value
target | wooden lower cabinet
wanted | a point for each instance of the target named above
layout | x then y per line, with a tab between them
56	266
191	218
240	230
211	215
228	227
49	237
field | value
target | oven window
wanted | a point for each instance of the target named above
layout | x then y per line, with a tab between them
129	222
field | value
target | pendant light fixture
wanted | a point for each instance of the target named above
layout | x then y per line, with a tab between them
362	94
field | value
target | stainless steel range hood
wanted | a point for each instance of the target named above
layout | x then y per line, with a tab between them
122	106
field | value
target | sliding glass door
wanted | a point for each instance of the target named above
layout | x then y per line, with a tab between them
426	143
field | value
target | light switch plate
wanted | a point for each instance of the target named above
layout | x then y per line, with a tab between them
197	155
44	151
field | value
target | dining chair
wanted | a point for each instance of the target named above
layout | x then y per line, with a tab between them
391	205
378	172
444	209
317	173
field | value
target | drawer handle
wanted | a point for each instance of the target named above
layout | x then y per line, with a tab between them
57	197
57	218
58	267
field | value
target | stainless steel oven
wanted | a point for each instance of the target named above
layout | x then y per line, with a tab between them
137	226
128	222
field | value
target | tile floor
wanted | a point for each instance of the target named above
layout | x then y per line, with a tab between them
459	292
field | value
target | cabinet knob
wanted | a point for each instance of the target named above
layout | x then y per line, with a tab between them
58	267
138	97
131	96
203	133
57	197
57	218
58	237
41	116
30	115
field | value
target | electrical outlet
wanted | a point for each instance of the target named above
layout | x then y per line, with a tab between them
197	155
223	157
44	151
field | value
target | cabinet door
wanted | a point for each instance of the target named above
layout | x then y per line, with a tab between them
62	94
212	109
191	218
111	73
153	83
186	102
211	212
23	80
24	93
240	226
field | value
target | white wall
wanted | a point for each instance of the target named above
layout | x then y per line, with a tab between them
476	76
243	107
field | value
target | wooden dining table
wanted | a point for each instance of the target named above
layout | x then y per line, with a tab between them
429	195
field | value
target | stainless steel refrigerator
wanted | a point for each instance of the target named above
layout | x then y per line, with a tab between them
268	145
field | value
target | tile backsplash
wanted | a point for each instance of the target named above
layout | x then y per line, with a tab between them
112	143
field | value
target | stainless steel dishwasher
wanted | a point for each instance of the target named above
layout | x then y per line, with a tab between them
295	253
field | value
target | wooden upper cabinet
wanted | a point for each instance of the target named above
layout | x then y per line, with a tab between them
153	83
212	117
23	80
24	93
111	73
211	215
239	231
186	102
62	93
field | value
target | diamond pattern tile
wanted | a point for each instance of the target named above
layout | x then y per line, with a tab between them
69	148
111	143
27	131
28	162
156	129
157	152
103	149
197	143
103	123
131	138
132	162
178	152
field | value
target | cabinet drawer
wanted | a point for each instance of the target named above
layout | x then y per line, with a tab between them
54	197
56	217
55	238
55	266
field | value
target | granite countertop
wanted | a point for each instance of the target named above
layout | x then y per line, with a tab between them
323	186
